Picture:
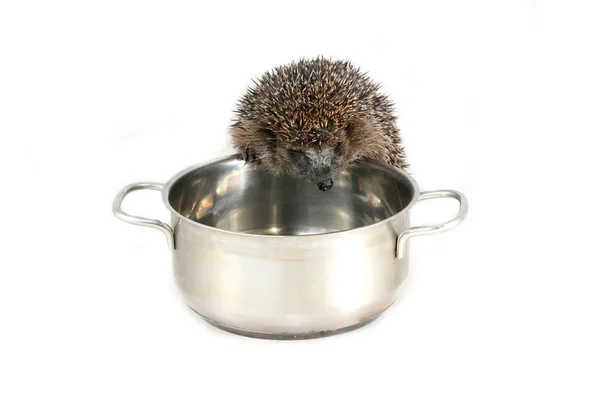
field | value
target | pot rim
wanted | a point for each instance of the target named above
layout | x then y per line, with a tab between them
167	188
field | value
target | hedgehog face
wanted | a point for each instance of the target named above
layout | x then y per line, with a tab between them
318	165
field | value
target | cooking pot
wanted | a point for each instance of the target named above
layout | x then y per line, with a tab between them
275	257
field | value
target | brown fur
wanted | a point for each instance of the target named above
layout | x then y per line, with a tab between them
313	104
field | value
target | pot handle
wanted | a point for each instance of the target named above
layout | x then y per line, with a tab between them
443	227
152	223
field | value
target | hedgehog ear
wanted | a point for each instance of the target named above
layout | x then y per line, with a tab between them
268	133
358	128
269	137
364	138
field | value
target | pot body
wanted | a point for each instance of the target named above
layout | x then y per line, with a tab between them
273	257
288	285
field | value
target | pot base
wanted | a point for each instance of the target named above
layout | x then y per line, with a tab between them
288	336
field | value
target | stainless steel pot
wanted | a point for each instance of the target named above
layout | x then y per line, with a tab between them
273	257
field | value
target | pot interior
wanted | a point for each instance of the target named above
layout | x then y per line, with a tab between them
229	195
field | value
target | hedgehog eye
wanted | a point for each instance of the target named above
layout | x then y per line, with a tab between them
299	156
337	149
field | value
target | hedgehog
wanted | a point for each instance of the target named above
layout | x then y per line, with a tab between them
312	118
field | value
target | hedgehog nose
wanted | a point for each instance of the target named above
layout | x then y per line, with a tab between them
326	184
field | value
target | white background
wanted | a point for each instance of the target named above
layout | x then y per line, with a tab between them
498	99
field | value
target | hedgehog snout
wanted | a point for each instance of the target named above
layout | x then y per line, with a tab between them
323	177
325	185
